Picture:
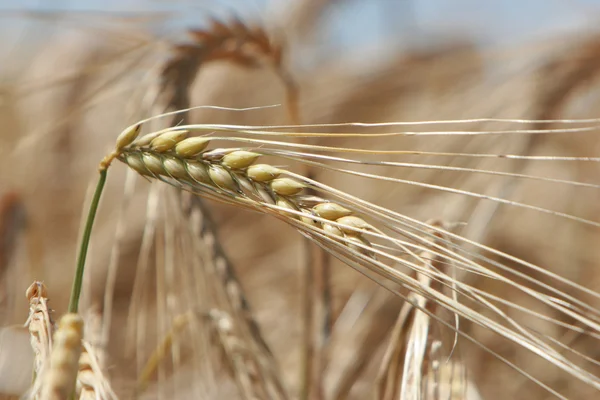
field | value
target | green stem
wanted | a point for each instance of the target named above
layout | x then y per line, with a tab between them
85	241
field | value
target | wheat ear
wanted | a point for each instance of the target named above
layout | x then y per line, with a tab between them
239	358
204	228
234	42
41	330
60	379
232	177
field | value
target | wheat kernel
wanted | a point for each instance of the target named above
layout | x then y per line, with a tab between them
263	172
331	211
284	203
287	186
354	243
222	178
136	163
191	147
239	159
167	141
146	139
153	163
352	222
309	220
128	136
216	155
332	230
199	172
175	167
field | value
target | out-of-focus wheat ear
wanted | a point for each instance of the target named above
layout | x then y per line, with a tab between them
401	371
241	45
204	227
235	354
242	366
41	331
235	42
59	380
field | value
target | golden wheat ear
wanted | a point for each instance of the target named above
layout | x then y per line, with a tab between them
375	240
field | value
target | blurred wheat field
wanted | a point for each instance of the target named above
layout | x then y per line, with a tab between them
157	286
